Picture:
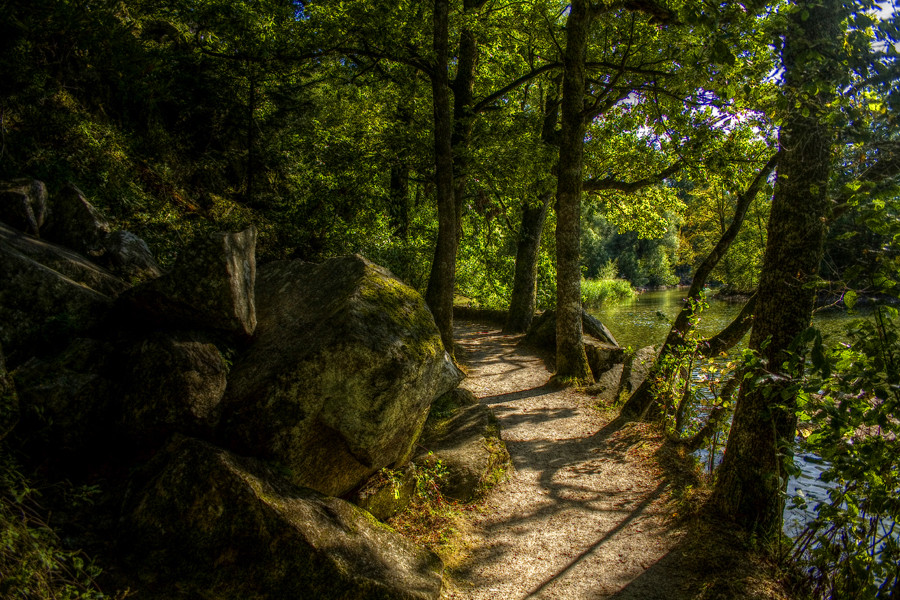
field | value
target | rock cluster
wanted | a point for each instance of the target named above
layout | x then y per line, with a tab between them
258	396
615	373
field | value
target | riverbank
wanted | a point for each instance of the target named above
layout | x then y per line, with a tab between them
592	508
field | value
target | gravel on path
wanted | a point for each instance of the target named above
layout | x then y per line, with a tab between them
583	513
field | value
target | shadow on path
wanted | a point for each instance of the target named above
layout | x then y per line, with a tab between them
606	536
582	515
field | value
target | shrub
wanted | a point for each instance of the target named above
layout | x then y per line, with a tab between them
595	292
33	561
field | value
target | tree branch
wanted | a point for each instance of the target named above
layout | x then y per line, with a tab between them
608	183
488	100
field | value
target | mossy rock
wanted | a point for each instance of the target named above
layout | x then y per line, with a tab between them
211	286
637	368
48	295
387	492
23	204
602	357
460	448
464	437
175	383
341	373
207	523
542	333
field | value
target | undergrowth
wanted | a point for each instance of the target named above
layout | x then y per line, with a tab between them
433	520
430	517
34	562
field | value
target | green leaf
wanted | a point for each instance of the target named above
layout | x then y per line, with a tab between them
850	299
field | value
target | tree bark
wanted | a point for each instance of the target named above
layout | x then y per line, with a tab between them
571	361
753	476
522	300
442	282
463	113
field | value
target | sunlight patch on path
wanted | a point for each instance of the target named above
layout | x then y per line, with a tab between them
582	516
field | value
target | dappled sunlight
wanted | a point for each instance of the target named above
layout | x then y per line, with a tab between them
582	515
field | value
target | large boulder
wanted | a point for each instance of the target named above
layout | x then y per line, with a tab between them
211	285
341	373
464	437
68	401
40	304
388	491
593	327
75	223
175	383
64	261
637	368
460	450
23	204
602	356
208	523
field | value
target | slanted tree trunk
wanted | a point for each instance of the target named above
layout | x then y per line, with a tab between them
571	361
442	282
639	402
522	300
753	476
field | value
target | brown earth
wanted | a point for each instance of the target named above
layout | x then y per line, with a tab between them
587	509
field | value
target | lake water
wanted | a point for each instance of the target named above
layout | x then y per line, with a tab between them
645	321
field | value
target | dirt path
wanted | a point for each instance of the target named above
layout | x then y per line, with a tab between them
582	514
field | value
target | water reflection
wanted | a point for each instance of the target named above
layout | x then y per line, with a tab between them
646	320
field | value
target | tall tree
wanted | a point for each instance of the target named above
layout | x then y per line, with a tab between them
442	283
753	476
571	360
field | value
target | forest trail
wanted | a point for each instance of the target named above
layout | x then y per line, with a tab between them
582	514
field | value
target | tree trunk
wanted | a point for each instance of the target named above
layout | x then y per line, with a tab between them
442	282
639	402
522	301
571	361
753	478
463	116
400	169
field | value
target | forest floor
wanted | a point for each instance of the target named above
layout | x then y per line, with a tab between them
588	507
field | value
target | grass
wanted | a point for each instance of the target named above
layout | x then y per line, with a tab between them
34	560
594	292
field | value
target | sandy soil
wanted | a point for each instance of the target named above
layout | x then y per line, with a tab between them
583	513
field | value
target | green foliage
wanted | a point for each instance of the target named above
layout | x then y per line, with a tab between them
644	262
34	562
851	549
429	518
594	292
